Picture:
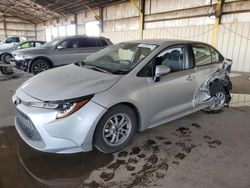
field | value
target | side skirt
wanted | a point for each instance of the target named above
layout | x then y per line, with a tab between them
200	107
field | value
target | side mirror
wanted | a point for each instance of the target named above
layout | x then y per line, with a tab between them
161	70
59	47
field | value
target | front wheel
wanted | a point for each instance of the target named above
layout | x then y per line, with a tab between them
39	65
7	70
6	58
115	129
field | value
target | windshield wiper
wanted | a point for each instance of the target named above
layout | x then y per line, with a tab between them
93	67
119	72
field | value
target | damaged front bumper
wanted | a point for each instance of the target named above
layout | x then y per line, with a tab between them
20	64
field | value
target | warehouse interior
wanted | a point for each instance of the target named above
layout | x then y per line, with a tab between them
203	149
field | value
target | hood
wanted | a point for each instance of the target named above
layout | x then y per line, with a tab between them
68	82
7	49
30	50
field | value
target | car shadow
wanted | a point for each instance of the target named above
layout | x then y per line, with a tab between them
44	169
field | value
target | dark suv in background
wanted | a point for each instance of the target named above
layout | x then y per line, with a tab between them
58	52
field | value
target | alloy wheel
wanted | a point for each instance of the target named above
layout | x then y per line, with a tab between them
39	67
6	58
219	100
117	129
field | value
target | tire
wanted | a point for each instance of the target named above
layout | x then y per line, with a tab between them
7	70
219	96
5	58
102	141
39	65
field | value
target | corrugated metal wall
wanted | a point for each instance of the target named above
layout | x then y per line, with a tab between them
233	39
233	42
179	19
16	27
233	33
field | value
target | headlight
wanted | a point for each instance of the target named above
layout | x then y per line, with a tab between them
47	105
19	57
64	107
69	108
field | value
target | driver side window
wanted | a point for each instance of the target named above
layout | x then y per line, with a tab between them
69	43
172	57
10	40
26	45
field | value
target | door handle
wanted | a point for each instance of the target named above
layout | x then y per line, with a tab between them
191	77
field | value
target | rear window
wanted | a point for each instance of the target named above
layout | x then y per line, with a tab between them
202	54
38	44
205	55
91	42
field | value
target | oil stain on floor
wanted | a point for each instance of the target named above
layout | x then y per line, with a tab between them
146	164
140	165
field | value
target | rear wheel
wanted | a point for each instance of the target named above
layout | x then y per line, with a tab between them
115	129
39	65
219	97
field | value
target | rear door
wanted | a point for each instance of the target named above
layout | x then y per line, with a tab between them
174	93
88	45
207	60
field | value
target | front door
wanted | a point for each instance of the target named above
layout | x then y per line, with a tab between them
174	93
65	53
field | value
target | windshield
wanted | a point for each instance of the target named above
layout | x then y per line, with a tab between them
52	43
120	58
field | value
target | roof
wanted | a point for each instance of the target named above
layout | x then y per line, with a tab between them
36	11
162	41
75	36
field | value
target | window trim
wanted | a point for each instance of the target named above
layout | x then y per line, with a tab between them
59	43
89	38
210	47
185	53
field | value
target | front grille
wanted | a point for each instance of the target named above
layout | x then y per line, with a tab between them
28	131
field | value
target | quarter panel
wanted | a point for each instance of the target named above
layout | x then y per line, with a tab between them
203	72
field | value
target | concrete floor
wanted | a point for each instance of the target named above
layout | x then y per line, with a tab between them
199	150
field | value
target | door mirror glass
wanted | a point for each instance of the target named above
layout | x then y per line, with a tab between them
161	70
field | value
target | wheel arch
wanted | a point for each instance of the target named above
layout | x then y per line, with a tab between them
4	53
40	57
135	109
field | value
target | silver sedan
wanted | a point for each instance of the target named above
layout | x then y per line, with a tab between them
105	99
